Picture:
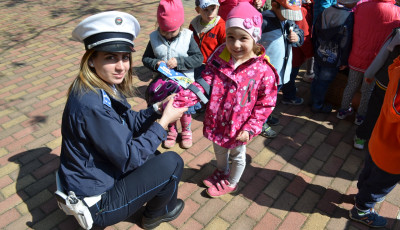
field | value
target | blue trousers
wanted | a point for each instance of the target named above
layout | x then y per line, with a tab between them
373	184
155	183
289	89
323	77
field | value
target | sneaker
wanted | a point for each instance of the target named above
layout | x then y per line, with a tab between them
369	217
171	139
186	139
296	101
215	178
323	109
359	119
268	132
272	121
151	223
308	77
359	143
221	188
343	113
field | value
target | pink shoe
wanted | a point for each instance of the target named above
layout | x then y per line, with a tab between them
171	138
186	139
215	178
221	188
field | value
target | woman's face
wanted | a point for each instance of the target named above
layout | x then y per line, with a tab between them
111	67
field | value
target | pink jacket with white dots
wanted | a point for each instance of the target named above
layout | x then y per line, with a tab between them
241	98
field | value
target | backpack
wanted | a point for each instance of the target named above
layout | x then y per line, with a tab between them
327	43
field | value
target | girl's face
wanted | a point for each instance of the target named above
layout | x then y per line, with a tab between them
169	35
208	14
111	67
239	43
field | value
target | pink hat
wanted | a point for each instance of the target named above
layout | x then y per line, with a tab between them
170	15
246	17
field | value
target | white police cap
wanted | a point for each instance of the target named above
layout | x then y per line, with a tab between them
110	31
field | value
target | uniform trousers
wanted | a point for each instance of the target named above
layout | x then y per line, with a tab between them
155	183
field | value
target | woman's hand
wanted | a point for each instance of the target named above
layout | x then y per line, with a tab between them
243	136
171	114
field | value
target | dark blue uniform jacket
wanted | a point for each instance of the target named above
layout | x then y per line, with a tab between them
102	139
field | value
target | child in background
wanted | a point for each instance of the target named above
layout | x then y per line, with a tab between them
175	46
378	72
227	5
381	170
373	22
333	33
208	29
243	95
305	52
321	5
280	33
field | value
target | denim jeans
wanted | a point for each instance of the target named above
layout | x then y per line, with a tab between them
155	183
289	89
323	77
373	184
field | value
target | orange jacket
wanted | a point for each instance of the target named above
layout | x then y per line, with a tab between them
384	145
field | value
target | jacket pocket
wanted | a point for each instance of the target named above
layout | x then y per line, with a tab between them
246	98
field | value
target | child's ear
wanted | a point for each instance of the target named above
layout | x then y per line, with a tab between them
198	9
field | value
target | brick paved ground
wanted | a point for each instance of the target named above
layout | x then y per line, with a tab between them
303	179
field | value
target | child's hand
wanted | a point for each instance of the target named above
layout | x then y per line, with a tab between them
257	4
342	67
369	80
243	136
172	63
158	64
293	38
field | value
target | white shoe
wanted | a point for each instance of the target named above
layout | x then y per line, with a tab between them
308	77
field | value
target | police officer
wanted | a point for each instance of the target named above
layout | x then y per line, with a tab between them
109	154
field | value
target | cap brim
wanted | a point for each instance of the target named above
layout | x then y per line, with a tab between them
207	5
115	47
294	15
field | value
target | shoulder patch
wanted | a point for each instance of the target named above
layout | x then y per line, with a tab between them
106	99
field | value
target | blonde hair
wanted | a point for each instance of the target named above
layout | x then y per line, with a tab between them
257	48
87	79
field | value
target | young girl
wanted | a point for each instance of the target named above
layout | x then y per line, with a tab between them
178	49
243	95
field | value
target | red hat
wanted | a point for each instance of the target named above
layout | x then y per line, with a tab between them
170	15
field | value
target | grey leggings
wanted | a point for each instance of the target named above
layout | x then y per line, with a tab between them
354	80
238	158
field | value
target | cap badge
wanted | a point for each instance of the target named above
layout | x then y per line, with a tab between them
118	21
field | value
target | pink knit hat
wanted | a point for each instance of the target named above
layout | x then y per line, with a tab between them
170	15
246	17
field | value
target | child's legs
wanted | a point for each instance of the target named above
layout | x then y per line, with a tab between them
353	81
366	90
186	122
310	65
238	158
289	89
364	131
323	78
373	184
221	155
